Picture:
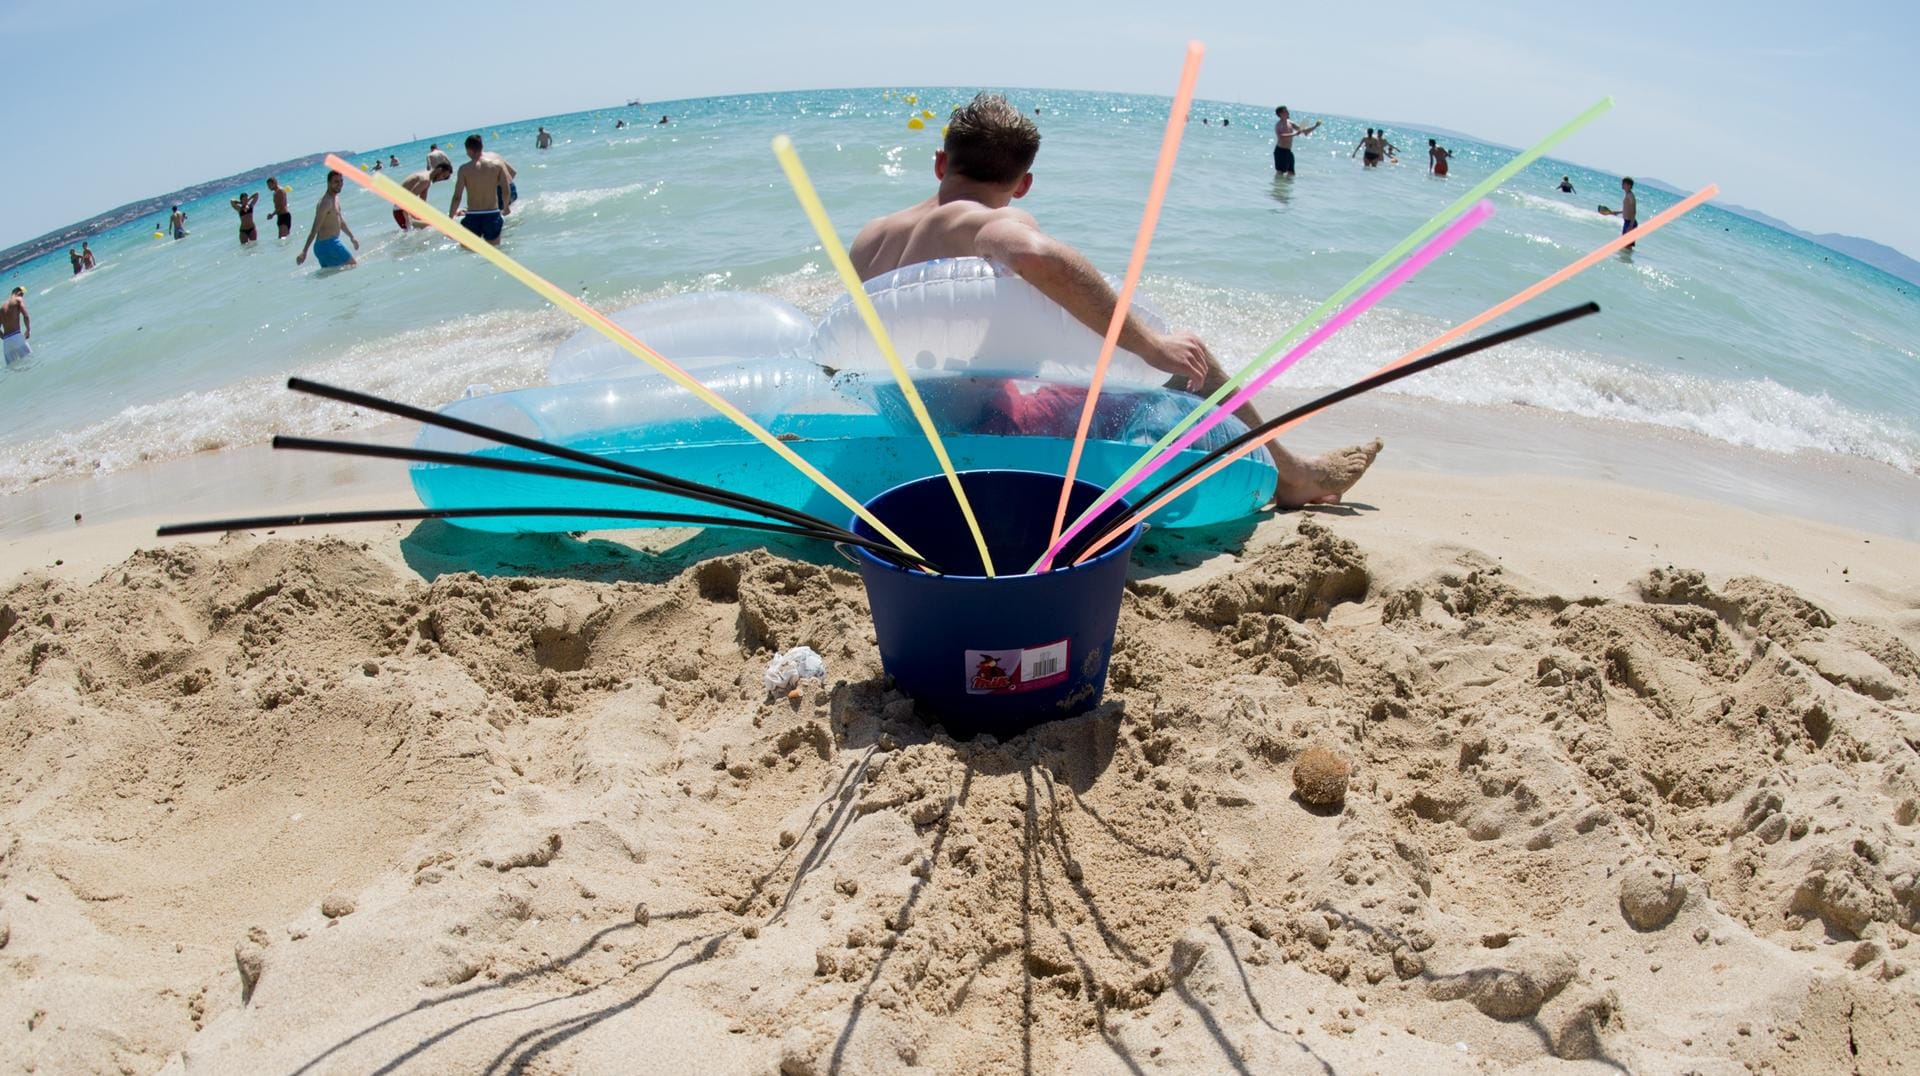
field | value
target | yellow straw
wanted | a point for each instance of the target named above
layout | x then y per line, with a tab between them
837	253
399	196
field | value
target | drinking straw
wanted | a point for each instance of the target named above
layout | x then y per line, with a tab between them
489	463
1156	195
499	436
1480	190
1260	435
1435	247
400	197
400	515
1532	291
856	289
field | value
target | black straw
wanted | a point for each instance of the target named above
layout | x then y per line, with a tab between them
697	490
391	515
1525	328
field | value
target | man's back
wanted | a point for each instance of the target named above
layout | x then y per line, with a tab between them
924	232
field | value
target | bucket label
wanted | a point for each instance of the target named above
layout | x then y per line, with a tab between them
1002	672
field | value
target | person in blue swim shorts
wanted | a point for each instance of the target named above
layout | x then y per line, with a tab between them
323	239
483	183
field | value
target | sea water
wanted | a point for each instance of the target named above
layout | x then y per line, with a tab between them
1718	325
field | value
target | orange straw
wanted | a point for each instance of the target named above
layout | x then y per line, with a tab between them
1156	195
1534	291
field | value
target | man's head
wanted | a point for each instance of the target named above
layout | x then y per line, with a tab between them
474	147
441	169
1431	142
334	182
991	142
273	184
20	291
1282	112
1369	132
1626	183
176	209
1566	179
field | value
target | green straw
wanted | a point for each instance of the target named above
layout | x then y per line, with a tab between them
1460	205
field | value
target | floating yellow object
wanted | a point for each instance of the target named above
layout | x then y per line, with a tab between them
915	124
856	289
927	112
401	198
909	98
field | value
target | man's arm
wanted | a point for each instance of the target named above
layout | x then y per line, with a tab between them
311	230
865	246
343	225
1064	275
459	187
26	321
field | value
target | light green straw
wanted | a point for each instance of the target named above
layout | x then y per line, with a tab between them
1459	206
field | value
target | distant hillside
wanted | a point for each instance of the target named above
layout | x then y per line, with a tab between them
72	234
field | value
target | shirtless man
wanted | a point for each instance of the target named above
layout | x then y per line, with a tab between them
324	237
179	223
984	166
243	205
1284	132
484	182
282	216
418	184
16	328
1629	211
543	140
1566	185
1437	157
1373	144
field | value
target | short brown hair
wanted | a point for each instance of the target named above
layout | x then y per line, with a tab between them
991	141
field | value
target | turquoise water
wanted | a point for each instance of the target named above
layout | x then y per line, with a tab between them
1718	325
861	452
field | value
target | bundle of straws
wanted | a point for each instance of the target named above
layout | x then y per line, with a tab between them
1071	542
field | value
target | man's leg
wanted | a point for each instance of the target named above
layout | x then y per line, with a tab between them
1303	480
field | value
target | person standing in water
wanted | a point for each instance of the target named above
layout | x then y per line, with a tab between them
984	164
418	184
16	328
543	140
1566	185
1284	132
282	216
1372	144
1437	157
1629	211
243	205
86	256
484	182
328	222
179	223
78	265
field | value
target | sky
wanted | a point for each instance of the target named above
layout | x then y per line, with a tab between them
1802	112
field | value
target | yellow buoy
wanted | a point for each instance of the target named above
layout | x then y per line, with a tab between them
915	124
927	112
912	99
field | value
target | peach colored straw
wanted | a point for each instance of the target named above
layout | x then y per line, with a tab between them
1156	196
1533	291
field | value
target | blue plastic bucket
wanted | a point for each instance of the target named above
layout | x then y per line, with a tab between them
1003	654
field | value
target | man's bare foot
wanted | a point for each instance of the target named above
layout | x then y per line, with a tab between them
1321	479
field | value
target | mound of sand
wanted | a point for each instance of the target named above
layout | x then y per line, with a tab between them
282	806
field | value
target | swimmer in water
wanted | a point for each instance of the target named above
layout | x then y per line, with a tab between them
483	182
1566	185
78	265
16	328
179	223
86	255
543	140
418	184
328	222
1629	211
1284	132
984	165
1374	145
282	216
1437	157
393	160
243	205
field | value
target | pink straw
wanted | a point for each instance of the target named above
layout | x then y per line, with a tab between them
1435	247
1156	196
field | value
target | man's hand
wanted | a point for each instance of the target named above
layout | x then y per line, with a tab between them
1182	355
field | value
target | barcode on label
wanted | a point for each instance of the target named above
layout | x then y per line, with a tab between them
1041	662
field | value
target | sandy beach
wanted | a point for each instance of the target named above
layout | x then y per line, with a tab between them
1634	784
